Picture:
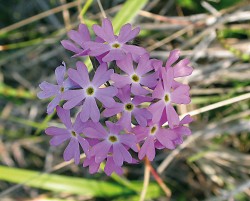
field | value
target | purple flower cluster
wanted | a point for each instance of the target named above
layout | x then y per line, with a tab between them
123	108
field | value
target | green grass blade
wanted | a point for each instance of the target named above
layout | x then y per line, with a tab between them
86	7
127	13
17	93
73	185
65	184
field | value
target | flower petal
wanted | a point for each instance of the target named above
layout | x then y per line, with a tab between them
93	166
114	55
86	110
111	167
81	75
125	120
181	69
150	80
52	130
124	94
78	125
126	33
64	116
186	120
182	130
136	51
84	144
84	32
59	139
117	155
147	149
125	154
144	65
106	31
105	96
94	113
52	105
48	90
100	151
102	75
120	80
156	109
173	118
115	109
181	95
68	45
173	57
97	49
129	140
74	97
168	78
60	72
141	116
93	133
164	139
126	64
158	91
72	151
137	89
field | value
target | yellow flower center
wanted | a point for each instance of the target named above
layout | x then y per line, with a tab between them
135	78
73	133
129	106
166	98
113	138
116	45
90	91
153	130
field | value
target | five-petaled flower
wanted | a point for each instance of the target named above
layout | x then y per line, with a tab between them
113	46
89	91
49	90
150	136
128	109
112	143
72	132
137	78
166	96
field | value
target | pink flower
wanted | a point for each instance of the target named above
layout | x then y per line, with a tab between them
128	108
109	168
112	143
138	77
71	133
93	166
166	95
113	46
49	90
90	91
151	136
182	130
181	68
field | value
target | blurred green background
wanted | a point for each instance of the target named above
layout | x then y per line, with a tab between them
213	164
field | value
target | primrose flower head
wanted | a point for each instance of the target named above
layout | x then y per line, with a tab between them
124	111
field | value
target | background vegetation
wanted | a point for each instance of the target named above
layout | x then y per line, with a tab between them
212	164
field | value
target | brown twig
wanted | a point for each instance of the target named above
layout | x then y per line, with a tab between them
38	17
66	15
158	179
